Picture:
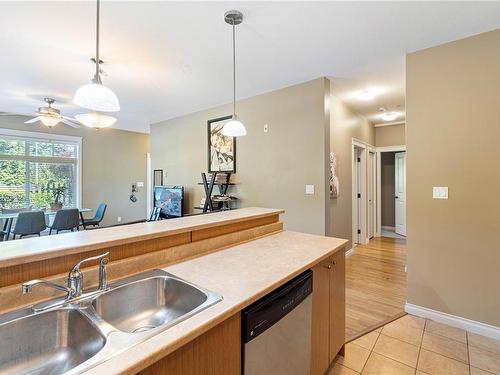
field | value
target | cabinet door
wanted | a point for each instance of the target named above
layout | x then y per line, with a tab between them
337	304
320	318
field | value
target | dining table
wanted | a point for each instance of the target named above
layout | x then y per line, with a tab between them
8	219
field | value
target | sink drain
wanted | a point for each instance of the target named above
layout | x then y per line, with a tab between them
143	329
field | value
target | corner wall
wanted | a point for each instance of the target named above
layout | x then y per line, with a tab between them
112	160
272	168
345	125
453	128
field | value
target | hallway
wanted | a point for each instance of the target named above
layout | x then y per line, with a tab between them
375	284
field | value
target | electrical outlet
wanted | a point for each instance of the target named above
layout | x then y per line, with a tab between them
140	184
119	219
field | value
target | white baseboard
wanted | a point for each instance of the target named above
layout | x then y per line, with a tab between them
386	227
349	252
454	321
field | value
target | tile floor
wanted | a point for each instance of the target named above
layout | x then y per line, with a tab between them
416	346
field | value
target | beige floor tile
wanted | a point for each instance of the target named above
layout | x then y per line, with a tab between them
477	371
379	365
355	357
443	330
342	370
396	349
412	321
379	329
445	346
367	341
484	360
403	332
482	342
436	364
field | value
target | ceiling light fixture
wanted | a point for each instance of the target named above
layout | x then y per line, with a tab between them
389	116
234	128
366	95
95	96
50	116
96	120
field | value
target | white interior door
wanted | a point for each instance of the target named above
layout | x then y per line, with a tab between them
371	194
400	192
357	189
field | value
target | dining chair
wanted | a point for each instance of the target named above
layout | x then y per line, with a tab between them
29	223
96	220
66	219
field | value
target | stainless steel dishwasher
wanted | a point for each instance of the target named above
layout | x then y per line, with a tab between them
276	334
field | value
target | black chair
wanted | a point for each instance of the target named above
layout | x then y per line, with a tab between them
66	219
99	215
155	214
29	223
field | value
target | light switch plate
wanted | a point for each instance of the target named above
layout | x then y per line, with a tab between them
440	192
310	189
140	184
266	128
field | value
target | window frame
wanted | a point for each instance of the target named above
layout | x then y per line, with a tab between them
39	136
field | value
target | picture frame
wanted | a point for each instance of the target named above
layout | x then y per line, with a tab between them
221	150
158	177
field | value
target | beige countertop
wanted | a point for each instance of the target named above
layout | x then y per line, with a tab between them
47	247
241	274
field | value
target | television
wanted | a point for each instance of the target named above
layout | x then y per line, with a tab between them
169	199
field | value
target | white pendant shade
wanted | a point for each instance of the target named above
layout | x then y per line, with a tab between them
96	120
96	97
49	121
234	128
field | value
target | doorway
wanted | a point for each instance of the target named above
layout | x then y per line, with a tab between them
391	183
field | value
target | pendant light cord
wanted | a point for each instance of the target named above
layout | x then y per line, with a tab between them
97	75
234	73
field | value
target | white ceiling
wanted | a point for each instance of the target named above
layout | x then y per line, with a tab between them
165	59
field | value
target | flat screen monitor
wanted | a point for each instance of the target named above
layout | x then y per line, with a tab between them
169	199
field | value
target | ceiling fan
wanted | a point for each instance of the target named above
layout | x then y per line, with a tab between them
50	116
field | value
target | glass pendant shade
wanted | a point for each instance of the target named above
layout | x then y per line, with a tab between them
234	128
96	97
49	121
96	120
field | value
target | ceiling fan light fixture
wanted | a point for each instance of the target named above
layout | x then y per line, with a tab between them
389	116
49	121
96	120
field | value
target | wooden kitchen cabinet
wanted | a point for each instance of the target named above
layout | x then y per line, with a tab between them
328	312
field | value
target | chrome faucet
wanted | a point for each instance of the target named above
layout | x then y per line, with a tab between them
75	276
75	279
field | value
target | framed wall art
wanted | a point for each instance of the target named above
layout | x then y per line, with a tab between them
221	149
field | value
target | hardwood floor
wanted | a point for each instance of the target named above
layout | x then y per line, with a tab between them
375	285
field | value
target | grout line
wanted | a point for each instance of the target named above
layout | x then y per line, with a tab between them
420	347
468	352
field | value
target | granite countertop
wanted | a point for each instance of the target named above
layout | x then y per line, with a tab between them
241	274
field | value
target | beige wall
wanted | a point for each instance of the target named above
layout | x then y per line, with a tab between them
112	160
453	128
272	168
393	135
345	125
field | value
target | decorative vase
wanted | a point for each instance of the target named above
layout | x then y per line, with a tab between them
55	206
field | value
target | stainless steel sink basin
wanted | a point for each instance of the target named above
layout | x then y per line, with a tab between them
52	342
149	303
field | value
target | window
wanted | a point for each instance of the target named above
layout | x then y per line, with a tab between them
33	166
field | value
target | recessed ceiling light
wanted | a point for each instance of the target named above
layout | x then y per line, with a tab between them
365	95
389	116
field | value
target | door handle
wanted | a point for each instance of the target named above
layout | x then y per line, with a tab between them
396	197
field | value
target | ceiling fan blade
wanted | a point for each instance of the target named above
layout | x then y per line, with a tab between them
70	122
32	120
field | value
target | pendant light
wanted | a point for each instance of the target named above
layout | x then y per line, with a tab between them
234	128
95	96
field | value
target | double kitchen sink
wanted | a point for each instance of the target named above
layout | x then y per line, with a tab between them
82	331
